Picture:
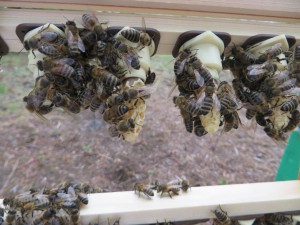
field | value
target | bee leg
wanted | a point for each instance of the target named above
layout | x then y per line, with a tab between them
139	194
170	194
33	53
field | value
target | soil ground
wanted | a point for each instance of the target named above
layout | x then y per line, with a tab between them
34	152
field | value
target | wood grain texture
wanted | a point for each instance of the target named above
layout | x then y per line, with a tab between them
278	8
237	199
169	26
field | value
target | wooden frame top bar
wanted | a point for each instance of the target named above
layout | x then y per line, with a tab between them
275	8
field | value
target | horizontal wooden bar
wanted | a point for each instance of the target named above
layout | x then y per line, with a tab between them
170	26
289	9
237	200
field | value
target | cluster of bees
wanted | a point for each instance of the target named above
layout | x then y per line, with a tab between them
203	102
89	68
171	188
268	91
59	205
221	218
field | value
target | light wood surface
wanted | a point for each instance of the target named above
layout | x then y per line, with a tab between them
236	199
169	26
277	8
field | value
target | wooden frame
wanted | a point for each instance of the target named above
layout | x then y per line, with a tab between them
240	19
242	201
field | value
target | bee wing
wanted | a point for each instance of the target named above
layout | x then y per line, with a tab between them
171	91
199	78
289	82
80	44
216	101
256	66
201	98
67	61
255	72
282	76
293	91
71	191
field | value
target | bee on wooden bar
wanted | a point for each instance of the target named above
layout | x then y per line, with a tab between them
279	219
168	188
143	188
221	217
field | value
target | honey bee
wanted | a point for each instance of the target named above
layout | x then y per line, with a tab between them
201	72
226	97
199	129
92	23
278	219
83	198
105	76
187	120
180	62
43	38
207	99
98	101
259	101
75	216
168	188
271	52
183	182
257	72
68	200
126	125
46	216
115	112
53	50
10	217
260	119
189	105
240	93
221	217
231	120
250	113
87	95
187	85
62	217
142	188
293	122
133	94
136	36
75	42
277	135
289	106
242	56
60	67
66	103
89	39
35	99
